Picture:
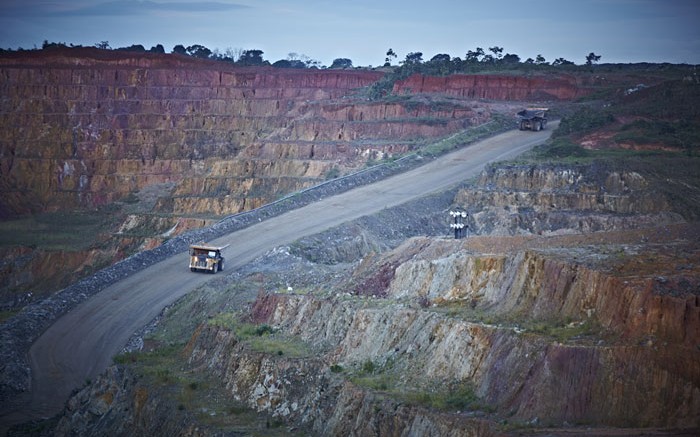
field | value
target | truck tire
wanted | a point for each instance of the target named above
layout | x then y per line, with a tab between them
221	265
192	269
536	126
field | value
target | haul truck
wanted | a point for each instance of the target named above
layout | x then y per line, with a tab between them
206	258
533	119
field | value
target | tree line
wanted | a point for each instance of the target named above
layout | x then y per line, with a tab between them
475	61
441	64
251	57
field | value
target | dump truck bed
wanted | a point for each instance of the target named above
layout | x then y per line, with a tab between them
532	119
207	247
531	113
206	258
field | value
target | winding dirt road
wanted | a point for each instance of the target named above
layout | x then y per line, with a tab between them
81	344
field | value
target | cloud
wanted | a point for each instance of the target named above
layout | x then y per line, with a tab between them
136	7
112	8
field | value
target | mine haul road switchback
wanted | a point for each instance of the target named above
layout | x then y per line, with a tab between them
81	344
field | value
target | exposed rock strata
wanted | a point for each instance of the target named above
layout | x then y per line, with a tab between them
17	334
305	391
85	131
641	372
84	128
517	199
593	329
497	87
119	404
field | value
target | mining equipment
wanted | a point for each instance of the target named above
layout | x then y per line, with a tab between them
534	119
206	258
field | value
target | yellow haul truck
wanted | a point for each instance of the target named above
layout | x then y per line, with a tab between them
206	258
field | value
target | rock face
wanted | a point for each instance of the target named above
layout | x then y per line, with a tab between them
307	392
508	321
84	128
550	199
89	134
573	328
560	329
121	405
496	87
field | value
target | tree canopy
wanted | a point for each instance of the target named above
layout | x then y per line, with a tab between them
413	58
251	57
390	54
592	58
287	63
341	63
475	60
198	51
133	48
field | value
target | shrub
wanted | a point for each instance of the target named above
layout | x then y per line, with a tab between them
583	121
368	367
332	173
264	330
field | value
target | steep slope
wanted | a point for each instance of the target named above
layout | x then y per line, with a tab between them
581	332
159	144
83	129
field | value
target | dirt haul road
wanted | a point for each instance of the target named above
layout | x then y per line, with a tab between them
81	344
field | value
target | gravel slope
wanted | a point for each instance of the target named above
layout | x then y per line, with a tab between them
80	344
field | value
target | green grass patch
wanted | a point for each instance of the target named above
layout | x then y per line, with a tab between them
281	346
379	382
460	397
559	330
385	378
225	320
68	231
332	173
583	121
161	365
566	151
7	314
664	115
206	303
198	393
565	331
559	149
262	338
677	134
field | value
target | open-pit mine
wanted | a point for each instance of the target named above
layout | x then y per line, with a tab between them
570	307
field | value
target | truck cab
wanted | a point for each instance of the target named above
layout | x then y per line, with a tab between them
206	258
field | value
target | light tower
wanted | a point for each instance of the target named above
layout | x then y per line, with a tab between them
459	226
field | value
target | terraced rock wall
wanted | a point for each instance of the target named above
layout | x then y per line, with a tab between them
84	128
563	332
497	87
547	199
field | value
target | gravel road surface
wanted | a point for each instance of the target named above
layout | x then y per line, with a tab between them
81	344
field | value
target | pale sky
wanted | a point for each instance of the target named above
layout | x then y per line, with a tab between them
363	30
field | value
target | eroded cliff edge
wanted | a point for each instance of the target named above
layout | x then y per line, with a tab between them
151	146
553	328
580	312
